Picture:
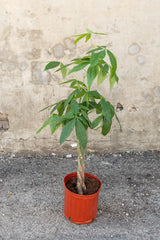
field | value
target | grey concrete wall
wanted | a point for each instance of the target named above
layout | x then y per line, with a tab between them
35	32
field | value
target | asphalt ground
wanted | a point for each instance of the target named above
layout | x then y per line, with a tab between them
32	197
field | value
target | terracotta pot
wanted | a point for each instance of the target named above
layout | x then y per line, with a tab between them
80	209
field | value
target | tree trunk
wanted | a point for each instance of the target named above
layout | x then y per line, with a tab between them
81	187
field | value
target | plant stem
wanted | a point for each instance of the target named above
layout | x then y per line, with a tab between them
81	187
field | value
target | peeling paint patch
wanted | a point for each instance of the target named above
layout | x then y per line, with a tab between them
39	76
156	91
134	49
8	66
5	55
69	43
22	66
58	51
141	59
35	35
35	54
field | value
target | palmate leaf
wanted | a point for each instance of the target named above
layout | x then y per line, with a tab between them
57	106
66	131
94	94
48	107
68	81
102	73
81	133
106	127
112	80
96	122
78	67
98	48
77	93
107	109
51	65
113	62
63	70
88	36
78	84
97	57
91	75
79	37
44	124
61	108
74	107
53	123
84	122
63	67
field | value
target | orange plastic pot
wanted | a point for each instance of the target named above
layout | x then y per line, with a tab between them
80	209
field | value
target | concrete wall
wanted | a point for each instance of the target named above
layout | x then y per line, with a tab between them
35	32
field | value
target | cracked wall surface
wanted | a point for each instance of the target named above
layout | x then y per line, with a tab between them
35	32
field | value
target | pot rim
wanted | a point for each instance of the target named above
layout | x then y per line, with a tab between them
74	174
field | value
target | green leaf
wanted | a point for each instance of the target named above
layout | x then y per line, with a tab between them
96	122
83	120
78	84
113	80
78	67
64	66
98	108
113	63
70	97
97	57
94	94
68	116
118	122
51	65
89	31
81	133
84	107
53	123
98	48
79	93
88	36
56	106
48	107
74	107
85	115
68	81
61	108
107	109
79	37
102	73
91	75
44	124
106	127
63	70
66	131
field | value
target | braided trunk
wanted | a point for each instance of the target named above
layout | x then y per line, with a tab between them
81	187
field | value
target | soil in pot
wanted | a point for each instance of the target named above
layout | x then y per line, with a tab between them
92	185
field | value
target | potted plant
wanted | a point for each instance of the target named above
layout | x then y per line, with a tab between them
73	114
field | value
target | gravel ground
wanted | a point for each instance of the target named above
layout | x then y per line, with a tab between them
31	197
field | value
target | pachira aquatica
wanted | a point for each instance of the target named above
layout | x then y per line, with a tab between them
72	113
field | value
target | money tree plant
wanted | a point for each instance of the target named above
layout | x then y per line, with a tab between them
73	113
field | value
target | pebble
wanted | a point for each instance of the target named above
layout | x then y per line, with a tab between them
53	154
69	156
74	145
13	155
